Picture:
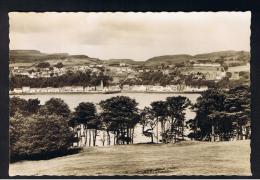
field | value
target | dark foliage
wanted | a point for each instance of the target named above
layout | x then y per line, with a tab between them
69	79
39	136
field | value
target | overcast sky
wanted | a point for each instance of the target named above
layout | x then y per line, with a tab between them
137	36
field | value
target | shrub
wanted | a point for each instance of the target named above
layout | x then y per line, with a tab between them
43	65
39	136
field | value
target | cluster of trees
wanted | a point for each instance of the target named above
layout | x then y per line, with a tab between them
39	131
175	78
70	78
119	116
44	129
43	65
222	115
170	114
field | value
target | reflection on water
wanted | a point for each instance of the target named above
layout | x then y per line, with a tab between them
143	99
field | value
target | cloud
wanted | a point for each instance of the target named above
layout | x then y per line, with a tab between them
130	35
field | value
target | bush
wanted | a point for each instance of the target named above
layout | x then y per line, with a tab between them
43	65
39	136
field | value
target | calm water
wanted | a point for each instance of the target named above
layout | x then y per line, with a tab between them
143	99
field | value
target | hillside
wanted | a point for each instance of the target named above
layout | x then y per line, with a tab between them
126	61
227	55
208	57
31	57
34	56
25	56
168	59
185	158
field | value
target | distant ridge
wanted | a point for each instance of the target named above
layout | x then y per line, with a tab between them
126	61
35	56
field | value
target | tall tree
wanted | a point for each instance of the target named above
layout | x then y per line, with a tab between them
237	103
120	113
223	114
159	109
176	106
209	102
85	114
148	122
56	106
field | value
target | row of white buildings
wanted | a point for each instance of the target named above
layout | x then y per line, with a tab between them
65	89
110	89
167	88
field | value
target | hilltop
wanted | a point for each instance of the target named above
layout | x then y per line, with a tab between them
31	57
168	59
126	61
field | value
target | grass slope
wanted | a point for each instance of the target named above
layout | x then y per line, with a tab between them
186	158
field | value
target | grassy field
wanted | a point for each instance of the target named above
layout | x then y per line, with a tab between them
186	158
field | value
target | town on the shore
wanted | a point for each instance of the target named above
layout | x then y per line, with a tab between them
57	74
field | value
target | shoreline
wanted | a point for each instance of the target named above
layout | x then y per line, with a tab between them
97	92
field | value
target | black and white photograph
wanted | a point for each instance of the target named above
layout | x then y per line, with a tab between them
129	93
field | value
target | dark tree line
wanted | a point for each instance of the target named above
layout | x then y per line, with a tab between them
70	78
176	77
220	116
119	117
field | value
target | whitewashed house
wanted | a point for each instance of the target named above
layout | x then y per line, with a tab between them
77	89
140	88
17	90
26	89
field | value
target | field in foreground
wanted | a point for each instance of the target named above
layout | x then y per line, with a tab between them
186	158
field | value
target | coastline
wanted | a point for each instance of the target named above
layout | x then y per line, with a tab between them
100	92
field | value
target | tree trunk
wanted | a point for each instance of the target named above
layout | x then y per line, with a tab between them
130	135
241	133
157	131
77	136
117	133
114	137
196	130
212	133
89	138
86	135
132	138
94	137
182	130
163	126
127	134
108	138
175	136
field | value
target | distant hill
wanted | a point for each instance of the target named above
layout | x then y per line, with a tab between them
168	59
225	54
34	56
207	57
25	56
126	61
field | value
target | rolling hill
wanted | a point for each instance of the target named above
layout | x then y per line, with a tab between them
168	59
126	61
34	56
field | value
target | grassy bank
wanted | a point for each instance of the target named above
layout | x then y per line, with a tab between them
186	158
